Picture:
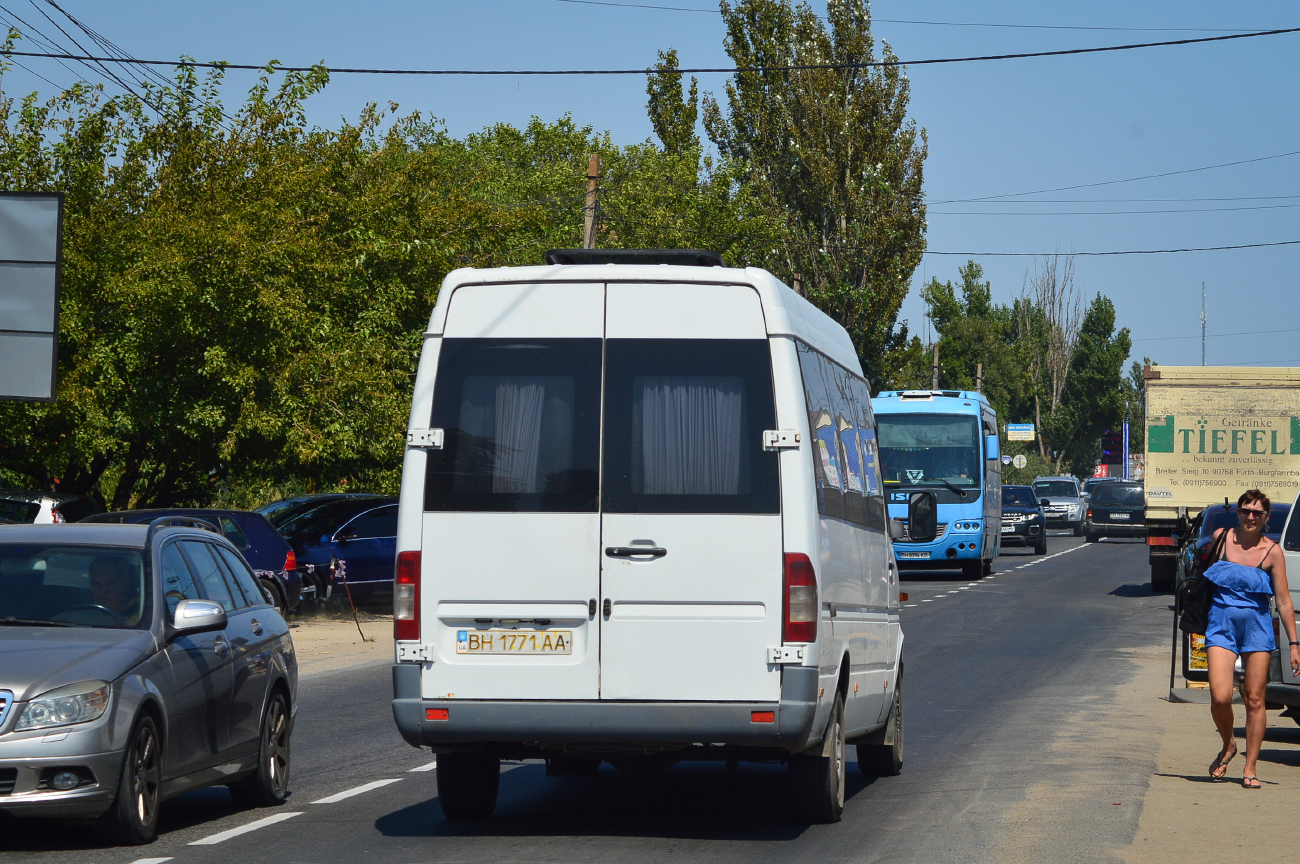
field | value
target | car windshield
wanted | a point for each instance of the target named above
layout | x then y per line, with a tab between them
1117	495
929	449
1056	489
76	586
309	525
1228	519
1018	496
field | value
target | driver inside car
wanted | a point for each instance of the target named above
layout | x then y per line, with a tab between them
113	586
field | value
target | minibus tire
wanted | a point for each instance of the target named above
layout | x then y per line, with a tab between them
886	760
816	781
467	785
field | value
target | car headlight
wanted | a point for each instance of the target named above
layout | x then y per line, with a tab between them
66	706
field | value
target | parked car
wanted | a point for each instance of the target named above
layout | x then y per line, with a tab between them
270	556
137	662
40	508
1116	510
1283	687
1062	501
287	513
1200	535
279	512
1023	520
353	538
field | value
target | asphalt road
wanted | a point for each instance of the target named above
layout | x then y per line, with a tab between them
995	669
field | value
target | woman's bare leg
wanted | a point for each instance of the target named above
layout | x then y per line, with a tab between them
1256	666
1222	662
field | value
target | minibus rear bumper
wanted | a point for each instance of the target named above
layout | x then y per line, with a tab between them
453	723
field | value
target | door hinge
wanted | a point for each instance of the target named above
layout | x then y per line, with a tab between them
780	439
426	439
414	651
785	654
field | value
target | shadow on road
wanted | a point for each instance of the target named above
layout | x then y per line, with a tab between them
1132	589
689	802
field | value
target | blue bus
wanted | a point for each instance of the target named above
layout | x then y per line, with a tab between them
945	442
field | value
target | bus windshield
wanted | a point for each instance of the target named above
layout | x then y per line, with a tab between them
930	449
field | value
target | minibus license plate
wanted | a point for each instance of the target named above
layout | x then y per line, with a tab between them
514	641
913	554
1123	516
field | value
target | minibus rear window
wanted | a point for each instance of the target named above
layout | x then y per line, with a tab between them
684	421
521	420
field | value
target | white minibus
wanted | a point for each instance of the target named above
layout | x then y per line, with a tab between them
642	522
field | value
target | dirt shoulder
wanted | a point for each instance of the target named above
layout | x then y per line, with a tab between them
330	642
1186	816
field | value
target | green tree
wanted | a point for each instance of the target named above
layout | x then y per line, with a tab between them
834	152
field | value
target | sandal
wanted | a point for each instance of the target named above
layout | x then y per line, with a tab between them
1219	767
1250	783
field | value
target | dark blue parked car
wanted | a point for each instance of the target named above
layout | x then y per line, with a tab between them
270	556
352	538
1200	536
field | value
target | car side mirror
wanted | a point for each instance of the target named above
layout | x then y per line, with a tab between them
198	616
991	447
922	517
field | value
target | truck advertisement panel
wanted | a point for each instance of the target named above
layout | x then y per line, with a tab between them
1214	432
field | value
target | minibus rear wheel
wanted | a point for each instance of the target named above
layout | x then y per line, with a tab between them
468	784
816	781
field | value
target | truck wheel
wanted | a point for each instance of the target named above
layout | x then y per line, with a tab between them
269	784
886	759
817	782
468	784
132	820
1162	575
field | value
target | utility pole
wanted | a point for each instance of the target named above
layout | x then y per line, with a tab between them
934	383
1202	323
979	377
593	190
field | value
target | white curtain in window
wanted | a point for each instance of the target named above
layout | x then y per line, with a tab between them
505	411
690	431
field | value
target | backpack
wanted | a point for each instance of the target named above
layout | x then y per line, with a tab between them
1196	592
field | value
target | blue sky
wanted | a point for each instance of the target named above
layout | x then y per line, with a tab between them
995	128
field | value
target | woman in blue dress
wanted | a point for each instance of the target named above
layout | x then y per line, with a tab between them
1250	570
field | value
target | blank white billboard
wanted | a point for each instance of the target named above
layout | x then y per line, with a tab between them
31	226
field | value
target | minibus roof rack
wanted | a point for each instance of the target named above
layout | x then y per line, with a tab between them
677	257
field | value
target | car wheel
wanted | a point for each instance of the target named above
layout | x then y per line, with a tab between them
886	758
269	784
817	782
1041	547
274	596
1091	538
132	820
468	785
1078	529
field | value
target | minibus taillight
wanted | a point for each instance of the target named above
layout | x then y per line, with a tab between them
406	597
800	599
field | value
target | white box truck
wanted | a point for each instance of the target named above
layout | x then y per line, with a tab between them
1212	433
642	522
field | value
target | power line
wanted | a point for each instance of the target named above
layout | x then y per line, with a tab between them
931	23
1108	212
1219	335
1113	182
1140	200
1121	252
697	71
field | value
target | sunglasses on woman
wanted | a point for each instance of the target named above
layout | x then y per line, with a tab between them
1250	513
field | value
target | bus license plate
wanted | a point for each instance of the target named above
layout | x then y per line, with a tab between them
514	641
913	554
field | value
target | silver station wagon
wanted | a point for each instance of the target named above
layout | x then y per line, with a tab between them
137	662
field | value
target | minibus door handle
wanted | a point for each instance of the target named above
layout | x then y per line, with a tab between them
635	551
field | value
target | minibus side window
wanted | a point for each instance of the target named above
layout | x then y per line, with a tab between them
684	421
521	421
817	383
873	497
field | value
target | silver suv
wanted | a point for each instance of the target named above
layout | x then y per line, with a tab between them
137	662
1062	501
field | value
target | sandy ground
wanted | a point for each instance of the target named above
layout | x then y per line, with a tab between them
327	643
1187	816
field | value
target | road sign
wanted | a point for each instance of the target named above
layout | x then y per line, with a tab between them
31	240
1006	458
1020	431
1020	461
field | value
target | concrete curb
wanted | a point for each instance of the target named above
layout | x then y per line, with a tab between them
1197	696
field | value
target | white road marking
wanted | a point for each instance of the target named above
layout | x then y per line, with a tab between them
909	605
150	860
927	601
251	826
964	588
429	767
348	793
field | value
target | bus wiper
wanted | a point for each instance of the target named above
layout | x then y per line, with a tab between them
35	622
960	491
